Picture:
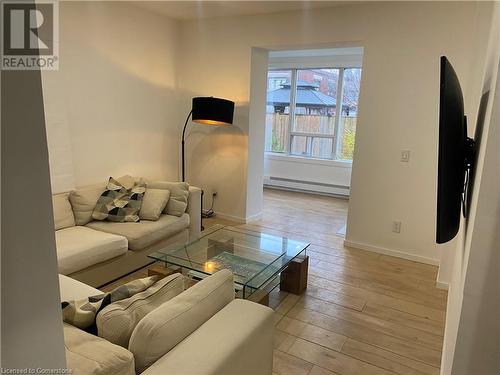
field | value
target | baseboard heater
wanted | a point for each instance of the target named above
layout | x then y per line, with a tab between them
306	186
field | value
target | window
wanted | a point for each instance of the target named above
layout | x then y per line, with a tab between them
302	115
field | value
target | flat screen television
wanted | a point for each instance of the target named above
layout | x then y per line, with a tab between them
456	156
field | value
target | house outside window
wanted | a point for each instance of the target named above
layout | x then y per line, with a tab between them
312	112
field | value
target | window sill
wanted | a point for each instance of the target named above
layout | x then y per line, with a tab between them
304	160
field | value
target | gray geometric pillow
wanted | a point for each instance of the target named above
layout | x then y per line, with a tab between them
119	204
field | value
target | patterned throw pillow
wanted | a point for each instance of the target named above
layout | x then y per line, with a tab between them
82	313
119	204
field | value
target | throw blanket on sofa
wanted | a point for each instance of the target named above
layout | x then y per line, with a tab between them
82	313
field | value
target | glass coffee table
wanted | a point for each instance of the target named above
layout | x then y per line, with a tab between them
258	261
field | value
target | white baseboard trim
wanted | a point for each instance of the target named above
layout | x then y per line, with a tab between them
394	253
306	186
442	285
238	219
255	217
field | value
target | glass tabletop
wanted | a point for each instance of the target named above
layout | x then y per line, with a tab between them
255	258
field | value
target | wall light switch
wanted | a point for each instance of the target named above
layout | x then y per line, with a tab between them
405	156
396	226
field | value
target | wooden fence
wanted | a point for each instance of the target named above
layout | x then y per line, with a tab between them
280	128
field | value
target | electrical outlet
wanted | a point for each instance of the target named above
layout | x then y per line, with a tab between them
396	226
405	156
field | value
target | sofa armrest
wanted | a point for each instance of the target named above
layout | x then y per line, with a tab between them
169	324
194	211
71	289
236	340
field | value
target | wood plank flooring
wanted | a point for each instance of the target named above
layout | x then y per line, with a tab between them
362	313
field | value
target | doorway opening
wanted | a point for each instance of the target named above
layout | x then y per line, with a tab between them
312	105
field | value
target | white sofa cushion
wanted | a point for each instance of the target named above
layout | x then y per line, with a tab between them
179	193
88	354
81	247
63	214
145	232
116	321
153	203
83	201
163	328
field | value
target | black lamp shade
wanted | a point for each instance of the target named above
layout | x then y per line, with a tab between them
212	111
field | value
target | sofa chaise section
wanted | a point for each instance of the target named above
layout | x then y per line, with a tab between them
81	247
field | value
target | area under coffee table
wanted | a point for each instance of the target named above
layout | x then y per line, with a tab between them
259	261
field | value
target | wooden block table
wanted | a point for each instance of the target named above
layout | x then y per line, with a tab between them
294	277
162	271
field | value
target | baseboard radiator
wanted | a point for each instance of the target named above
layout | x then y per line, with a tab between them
306	186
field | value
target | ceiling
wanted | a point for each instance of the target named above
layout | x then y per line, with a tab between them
190	10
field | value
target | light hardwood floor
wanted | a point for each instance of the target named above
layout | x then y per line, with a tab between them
362	313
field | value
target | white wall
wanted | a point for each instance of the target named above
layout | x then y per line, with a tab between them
257	114
450	252
32	333
324	176
398	105
477	348
384	189
472	325
112	108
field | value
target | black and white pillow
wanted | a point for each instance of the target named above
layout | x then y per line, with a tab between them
118	204
82	313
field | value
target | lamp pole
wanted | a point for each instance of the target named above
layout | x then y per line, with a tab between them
183	147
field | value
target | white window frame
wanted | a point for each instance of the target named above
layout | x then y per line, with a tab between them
350	63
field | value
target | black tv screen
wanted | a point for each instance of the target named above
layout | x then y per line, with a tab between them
451	155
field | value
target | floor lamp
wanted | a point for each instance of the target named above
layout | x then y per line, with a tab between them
207	111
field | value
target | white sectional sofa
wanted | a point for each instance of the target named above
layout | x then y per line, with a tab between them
237	339
98	252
